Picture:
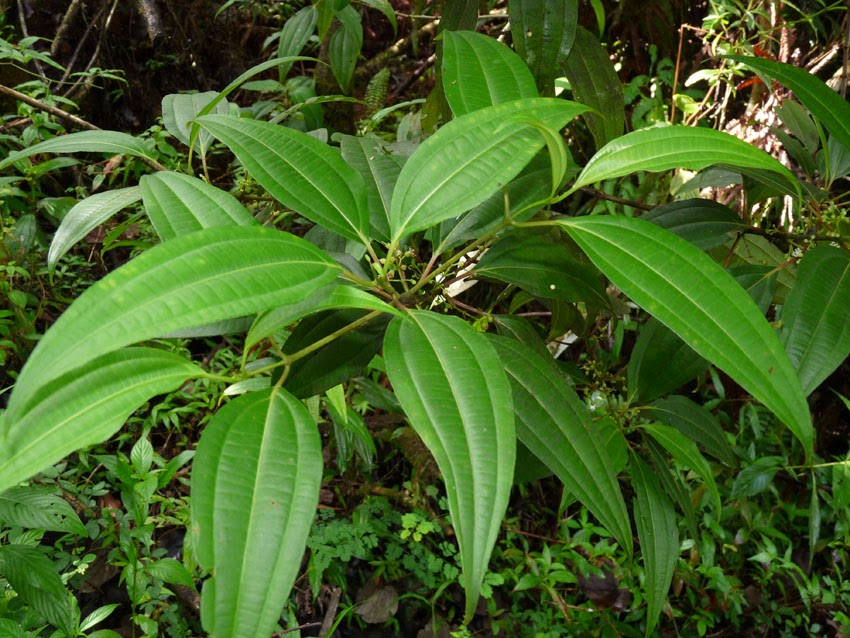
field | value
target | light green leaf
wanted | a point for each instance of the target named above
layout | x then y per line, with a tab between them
171	571
299	171
685	452
87	215
193	280
179	204
452	387
595	82
479	71
111	142
668	147
824	103
255	488
694	421
84	407
815	330
294	35
555	426
543	34
659	539
330	298
693	296
344	47
39	508
179	109
469	159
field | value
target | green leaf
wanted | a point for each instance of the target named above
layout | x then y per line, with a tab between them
379	167
344	47
704	223
386	8
757	250
87	215
661	362
84	407
756	478
555	426
543	268
179	204
479	71
815	330
659	539
111	142
685	452
170	571
255	488
33	576
179	109
668	147
758	281
824	103
469	159
694	421
693	296
543	34
299	171
295	34
39	508
800	123
595	82
452	387
193	280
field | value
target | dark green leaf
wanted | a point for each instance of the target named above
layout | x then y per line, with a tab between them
694	421
543	34
344	47
39	508
702	222
296	32
756	478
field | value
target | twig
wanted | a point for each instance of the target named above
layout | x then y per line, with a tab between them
25	33
82	41
613	198
67	19
330	615
96	53
379	61
68	117
417	73
153	23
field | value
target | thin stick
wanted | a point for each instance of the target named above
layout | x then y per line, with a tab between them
64	115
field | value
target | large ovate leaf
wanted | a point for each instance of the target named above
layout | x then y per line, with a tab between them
84	407
299	171
479	71
469	159
451	384
111	142
193	280
179	109
693	296
39	507
179	204
659	538
87	215
824	103
815	328
255	488
595	82
668	147
543	34
543	268
555	426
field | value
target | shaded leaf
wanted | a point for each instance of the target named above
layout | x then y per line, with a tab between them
702	222
694	421
554	425
595	82
756	478
693	296
449	380
296	32
255	488
659	539
344	47
543	34
39	508
815	330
